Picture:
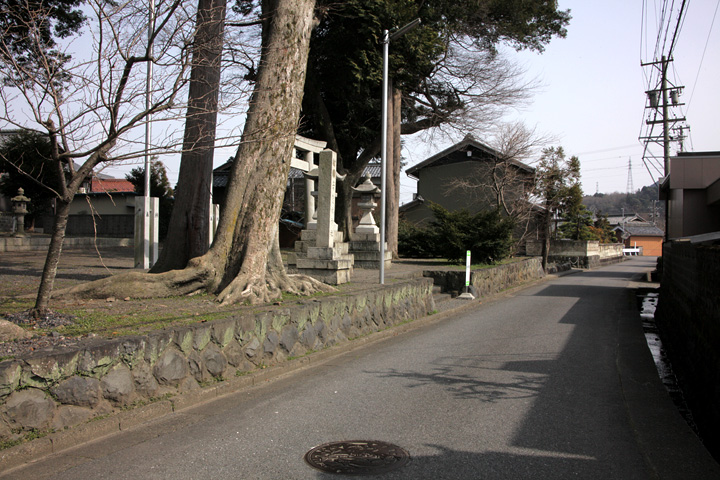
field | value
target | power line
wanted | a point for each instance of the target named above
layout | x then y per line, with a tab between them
678	27
707	41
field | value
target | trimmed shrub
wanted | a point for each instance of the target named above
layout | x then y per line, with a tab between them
487	234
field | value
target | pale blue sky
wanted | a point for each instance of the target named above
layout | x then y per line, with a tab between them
593	99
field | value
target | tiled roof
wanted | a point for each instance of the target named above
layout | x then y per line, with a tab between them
467	144
111	185
642	230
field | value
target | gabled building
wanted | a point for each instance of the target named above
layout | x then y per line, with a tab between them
471	161
643	235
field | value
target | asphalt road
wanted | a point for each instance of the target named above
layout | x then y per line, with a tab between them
553	381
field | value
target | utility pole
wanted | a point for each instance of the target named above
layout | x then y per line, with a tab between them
660	101
666	130
657	96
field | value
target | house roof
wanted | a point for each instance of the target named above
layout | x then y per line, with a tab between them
640	229
111	185
619	218
468	144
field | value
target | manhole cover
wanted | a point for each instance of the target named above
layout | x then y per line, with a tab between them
359	457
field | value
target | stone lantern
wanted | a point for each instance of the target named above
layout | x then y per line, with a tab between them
19	206
368	191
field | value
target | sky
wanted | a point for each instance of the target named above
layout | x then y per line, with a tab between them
592	98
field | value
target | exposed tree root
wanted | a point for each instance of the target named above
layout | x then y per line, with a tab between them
188	281
198	277
257	289
304	285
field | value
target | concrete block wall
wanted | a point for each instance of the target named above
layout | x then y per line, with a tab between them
32	243
578	254
59	390
610	250
688	316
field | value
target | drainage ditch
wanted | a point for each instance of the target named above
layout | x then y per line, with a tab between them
647	304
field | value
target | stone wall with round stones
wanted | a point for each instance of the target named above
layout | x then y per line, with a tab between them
57	390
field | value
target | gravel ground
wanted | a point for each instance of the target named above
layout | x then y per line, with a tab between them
19	279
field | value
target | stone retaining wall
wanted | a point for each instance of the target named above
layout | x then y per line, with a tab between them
489	281
51	391
688	316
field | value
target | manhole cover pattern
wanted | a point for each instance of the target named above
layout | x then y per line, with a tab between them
357	457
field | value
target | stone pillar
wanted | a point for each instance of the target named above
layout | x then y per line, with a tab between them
326	226
321	252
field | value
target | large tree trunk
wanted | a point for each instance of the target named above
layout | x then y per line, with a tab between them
243	263
248	223
47	280
188	231
546	236
393	180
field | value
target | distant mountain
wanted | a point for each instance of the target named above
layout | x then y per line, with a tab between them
643	202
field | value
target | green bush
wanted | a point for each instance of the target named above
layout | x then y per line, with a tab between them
487	234
415	242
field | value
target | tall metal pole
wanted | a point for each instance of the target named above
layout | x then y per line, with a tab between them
383	179
148	137
148	100
383	165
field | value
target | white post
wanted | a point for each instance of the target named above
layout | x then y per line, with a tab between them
142	232
154	230
466	295
467	271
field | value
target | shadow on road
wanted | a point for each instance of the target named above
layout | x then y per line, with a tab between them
577	425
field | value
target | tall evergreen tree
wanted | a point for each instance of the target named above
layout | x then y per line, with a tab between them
446	68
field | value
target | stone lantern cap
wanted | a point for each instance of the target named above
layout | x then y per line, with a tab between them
367	187
21	198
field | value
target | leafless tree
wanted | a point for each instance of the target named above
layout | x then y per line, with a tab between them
93	109
503	181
